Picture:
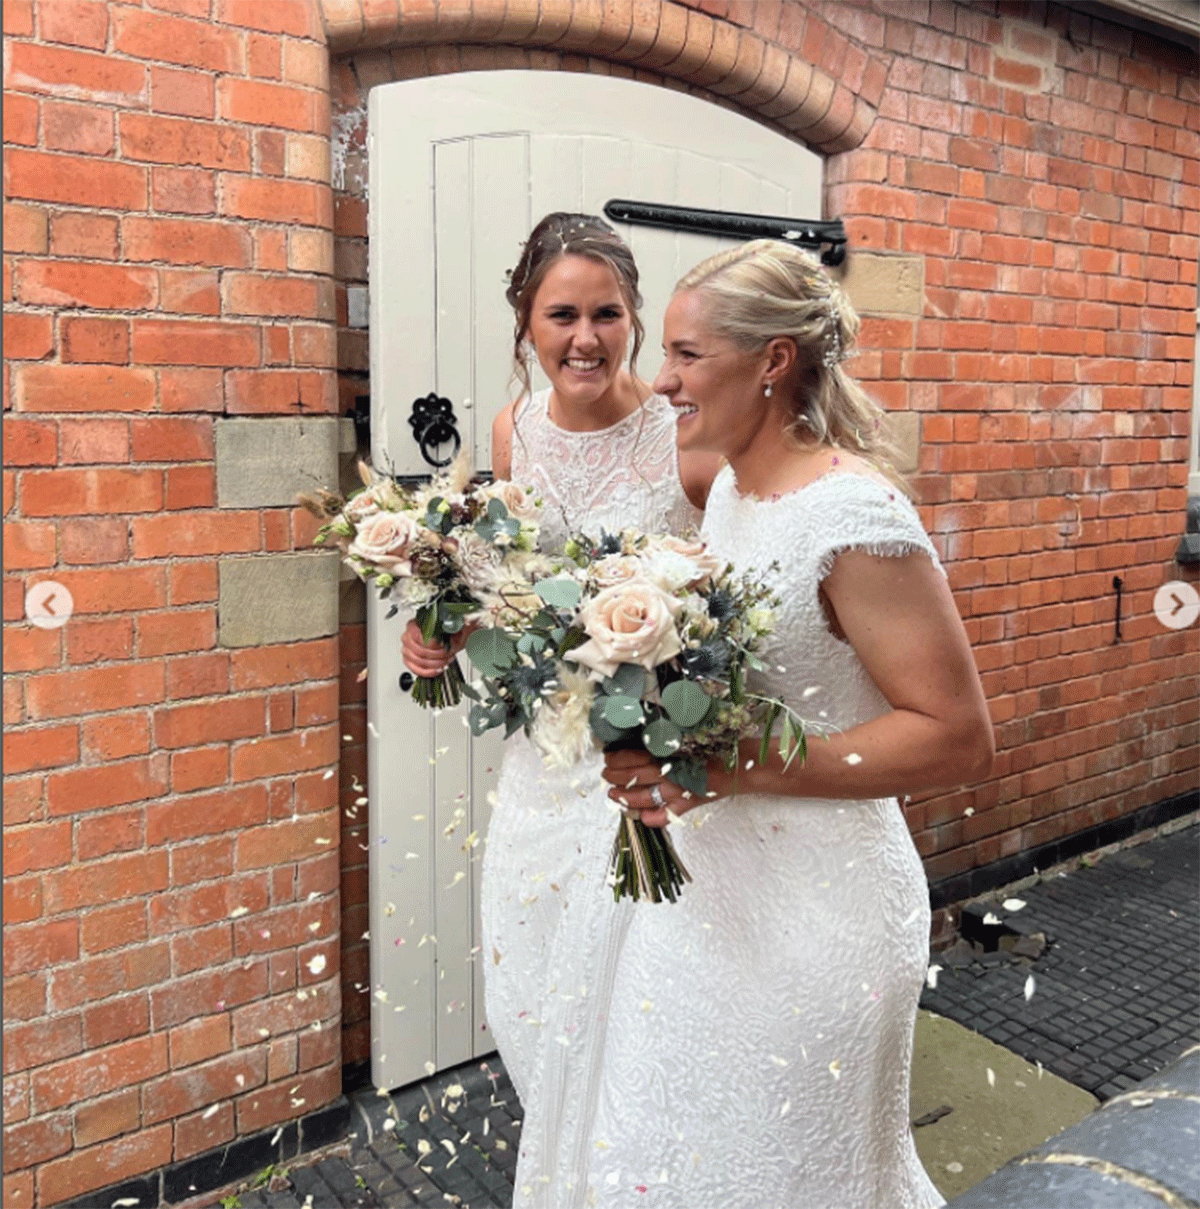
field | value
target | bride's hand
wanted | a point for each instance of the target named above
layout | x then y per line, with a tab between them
638	785
427	659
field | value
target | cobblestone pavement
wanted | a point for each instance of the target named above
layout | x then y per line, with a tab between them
1111	947
1115	994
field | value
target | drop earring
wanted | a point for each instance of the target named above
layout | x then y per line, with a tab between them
767	390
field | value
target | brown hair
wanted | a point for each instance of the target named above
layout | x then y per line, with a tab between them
561	234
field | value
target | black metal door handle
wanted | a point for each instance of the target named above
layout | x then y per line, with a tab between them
434	424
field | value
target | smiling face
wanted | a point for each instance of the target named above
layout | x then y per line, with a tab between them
580	324
715	387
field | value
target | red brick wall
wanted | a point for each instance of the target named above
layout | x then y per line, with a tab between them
1050	185
1046	166
167	261
169	848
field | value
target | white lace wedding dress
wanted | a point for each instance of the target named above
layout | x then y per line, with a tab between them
748	1047
545	908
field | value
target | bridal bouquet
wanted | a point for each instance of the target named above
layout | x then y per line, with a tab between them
450	549
635	641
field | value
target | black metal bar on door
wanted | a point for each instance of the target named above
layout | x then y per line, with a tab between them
730	224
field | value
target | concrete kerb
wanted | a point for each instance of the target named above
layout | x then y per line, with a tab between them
1136	1152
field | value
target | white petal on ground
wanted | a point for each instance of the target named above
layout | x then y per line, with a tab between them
328	775
954	1166
931	977
853	758
317	964
970	810
1030	984
430	1068
210	1111
1013	904
835	1068
785	1108
1141	1101
991	1077
239	911
991	918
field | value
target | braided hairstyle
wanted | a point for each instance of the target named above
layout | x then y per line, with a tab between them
767	288
561	234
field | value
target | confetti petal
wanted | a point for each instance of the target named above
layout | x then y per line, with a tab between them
1013	904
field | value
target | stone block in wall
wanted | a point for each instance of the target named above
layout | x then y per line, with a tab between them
272	598
904	427
884	285
266	463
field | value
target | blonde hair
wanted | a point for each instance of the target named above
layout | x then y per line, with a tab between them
766	289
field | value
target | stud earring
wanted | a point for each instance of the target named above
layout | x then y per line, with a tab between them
767	390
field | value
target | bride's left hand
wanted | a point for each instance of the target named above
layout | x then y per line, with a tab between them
639	786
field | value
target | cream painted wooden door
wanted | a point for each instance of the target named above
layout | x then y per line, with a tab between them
462	166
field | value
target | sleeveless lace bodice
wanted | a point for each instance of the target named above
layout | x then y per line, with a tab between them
623	476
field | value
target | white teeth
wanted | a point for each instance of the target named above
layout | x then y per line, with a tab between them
686	409
583	366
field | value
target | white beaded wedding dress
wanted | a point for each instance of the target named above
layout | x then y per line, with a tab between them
749	1046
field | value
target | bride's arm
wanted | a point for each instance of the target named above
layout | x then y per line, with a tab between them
898	614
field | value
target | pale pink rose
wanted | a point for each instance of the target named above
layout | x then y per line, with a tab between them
707	563
386	540
522	502
614	569
631	622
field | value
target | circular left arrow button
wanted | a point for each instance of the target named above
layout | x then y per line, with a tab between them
48	605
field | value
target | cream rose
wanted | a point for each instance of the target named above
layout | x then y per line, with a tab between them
614	569
707	563
522	502
386	540
631	622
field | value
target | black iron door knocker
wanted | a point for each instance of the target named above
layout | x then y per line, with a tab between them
434	424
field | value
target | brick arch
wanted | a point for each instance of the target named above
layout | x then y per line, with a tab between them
659	38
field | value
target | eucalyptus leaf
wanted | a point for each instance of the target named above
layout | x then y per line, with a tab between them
530	644
559	592
662	738
480	719
686	703
603	730
690	774
491	650
623	712
628	680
